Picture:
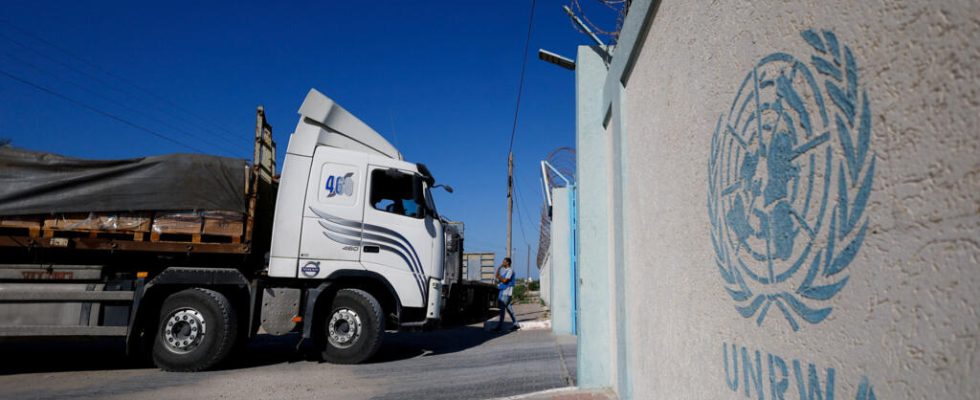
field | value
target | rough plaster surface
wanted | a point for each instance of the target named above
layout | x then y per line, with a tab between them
907	319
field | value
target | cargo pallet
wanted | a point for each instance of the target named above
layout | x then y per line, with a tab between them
169	232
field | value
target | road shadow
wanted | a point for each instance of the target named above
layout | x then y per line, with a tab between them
405	345
38	355
63	354
30	355
456	320
265	350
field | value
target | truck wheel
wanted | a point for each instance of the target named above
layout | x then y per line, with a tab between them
353	328
196	331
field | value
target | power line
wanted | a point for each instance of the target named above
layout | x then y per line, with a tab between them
520	222
513	131
99	111
225	149
520	87
521	199
107	73
60	62
76	70
520	217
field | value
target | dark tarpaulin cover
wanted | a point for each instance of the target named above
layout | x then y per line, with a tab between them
43	183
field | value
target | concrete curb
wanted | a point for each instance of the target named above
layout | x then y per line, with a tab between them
535	325
566	393
524	325
556	391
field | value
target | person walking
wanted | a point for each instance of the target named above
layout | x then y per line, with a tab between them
505	275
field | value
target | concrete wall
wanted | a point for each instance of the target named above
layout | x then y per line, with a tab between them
800	200
561	280
591	146
544	276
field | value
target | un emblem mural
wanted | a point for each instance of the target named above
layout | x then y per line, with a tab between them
789	177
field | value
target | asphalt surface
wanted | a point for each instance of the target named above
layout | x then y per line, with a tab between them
465	362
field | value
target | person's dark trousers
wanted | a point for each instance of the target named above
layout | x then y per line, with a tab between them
504	302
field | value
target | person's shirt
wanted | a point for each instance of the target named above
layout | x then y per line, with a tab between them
508	274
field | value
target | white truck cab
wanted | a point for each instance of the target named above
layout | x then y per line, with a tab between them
349	205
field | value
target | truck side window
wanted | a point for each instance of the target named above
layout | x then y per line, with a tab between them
393	194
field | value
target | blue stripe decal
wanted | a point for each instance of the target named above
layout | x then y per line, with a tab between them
408	254
402	252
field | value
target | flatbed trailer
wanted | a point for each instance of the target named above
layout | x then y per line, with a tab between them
195	232
88	274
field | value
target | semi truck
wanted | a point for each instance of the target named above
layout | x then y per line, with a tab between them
189	256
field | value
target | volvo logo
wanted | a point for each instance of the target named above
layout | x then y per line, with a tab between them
311	269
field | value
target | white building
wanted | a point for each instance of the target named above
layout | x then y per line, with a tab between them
781	200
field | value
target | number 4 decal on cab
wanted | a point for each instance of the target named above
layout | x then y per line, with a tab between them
340	185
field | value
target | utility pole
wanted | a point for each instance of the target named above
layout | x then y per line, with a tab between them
528	276
513	131
510	199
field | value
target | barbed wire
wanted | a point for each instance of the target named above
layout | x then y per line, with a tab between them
544	237
563	160
619	6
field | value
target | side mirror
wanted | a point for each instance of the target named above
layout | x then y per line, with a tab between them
446	187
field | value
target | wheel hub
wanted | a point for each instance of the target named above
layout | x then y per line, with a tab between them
184	330
344	328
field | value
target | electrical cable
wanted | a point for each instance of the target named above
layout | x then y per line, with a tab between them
520	197
80	72
99	111
520	217
233	136
520	87
223	148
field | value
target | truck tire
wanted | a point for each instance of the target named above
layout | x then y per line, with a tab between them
197	330
353	328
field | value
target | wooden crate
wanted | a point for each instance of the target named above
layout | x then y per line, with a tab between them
101	222
224	223
31	223
186	223
21	222
71	222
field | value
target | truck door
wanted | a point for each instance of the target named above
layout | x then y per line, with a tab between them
331	238
398	234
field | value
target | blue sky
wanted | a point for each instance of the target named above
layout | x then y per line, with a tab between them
437	79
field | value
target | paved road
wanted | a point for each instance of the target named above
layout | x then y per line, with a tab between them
465	362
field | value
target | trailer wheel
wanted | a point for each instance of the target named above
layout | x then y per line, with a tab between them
353	329
197	330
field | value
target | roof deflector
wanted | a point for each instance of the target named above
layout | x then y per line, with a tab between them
344	130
